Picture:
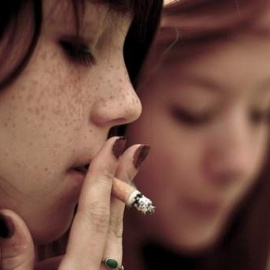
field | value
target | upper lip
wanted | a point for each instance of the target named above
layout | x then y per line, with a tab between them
207	204
84	156
82	169
80	163
208	200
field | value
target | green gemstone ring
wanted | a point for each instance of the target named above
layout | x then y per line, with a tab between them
112	264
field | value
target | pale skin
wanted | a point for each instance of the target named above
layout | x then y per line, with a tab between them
207	120
54	117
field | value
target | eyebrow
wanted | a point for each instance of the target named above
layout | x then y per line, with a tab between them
207	83
211	85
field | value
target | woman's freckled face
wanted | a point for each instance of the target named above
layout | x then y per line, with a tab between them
51	117
208	126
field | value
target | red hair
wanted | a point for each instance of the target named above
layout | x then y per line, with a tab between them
189	26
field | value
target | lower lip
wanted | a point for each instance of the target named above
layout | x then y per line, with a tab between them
74	183
205	210
76	175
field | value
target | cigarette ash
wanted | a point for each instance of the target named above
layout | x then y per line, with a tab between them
143	204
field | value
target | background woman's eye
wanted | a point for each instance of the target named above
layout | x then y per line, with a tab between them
260	117
192	119
78	52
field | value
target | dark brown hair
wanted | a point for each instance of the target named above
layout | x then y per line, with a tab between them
12	20
198	23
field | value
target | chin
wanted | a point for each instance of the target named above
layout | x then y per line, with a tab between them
194	243
51	229
199	245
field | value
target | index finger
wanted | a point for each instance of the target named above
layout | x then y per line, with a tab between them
90	225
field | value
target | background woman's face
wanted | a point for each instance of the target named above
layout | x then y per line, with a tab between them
58	113
207	123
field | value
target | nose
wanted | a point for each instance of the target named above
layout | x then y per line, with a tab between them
233	154
116	103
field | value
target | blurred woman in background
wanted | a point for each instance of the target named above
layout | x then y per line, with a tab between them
205	90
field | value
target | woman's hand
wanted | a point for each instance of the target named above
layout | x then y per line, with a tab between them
96	232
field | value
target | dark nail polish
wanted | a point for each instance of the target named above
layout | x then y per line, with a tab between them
6	227
140	155
119	146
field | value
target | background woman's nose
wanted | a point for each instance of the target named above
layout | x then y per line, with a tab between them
232	155
232	165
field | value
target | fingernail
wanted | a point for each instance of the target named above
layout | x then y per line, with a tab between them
140	155
119	146
6	227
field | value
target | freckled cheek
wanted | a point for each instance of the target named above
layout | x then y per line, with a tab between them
52	100
41	120
178	162
61	88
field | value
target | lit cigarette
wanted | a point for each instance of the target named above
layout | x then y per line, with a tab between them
132	197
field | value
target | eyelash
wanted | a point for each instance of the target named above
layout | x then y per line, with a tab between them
78	52
260	117
192	119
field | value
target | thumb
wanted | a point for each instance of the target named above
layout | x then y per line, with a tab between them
17	248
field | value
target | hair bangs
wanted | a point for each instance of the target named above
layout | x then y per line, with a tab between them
192	26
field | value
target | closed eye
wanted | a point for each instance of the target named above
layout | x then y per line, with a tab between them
192	119
78	52
260	117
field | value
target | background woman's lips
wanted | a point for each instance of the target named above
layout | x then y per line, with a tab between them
204	209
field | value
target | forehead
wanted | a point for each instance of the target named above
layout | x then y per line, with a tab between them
169	1
237	66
